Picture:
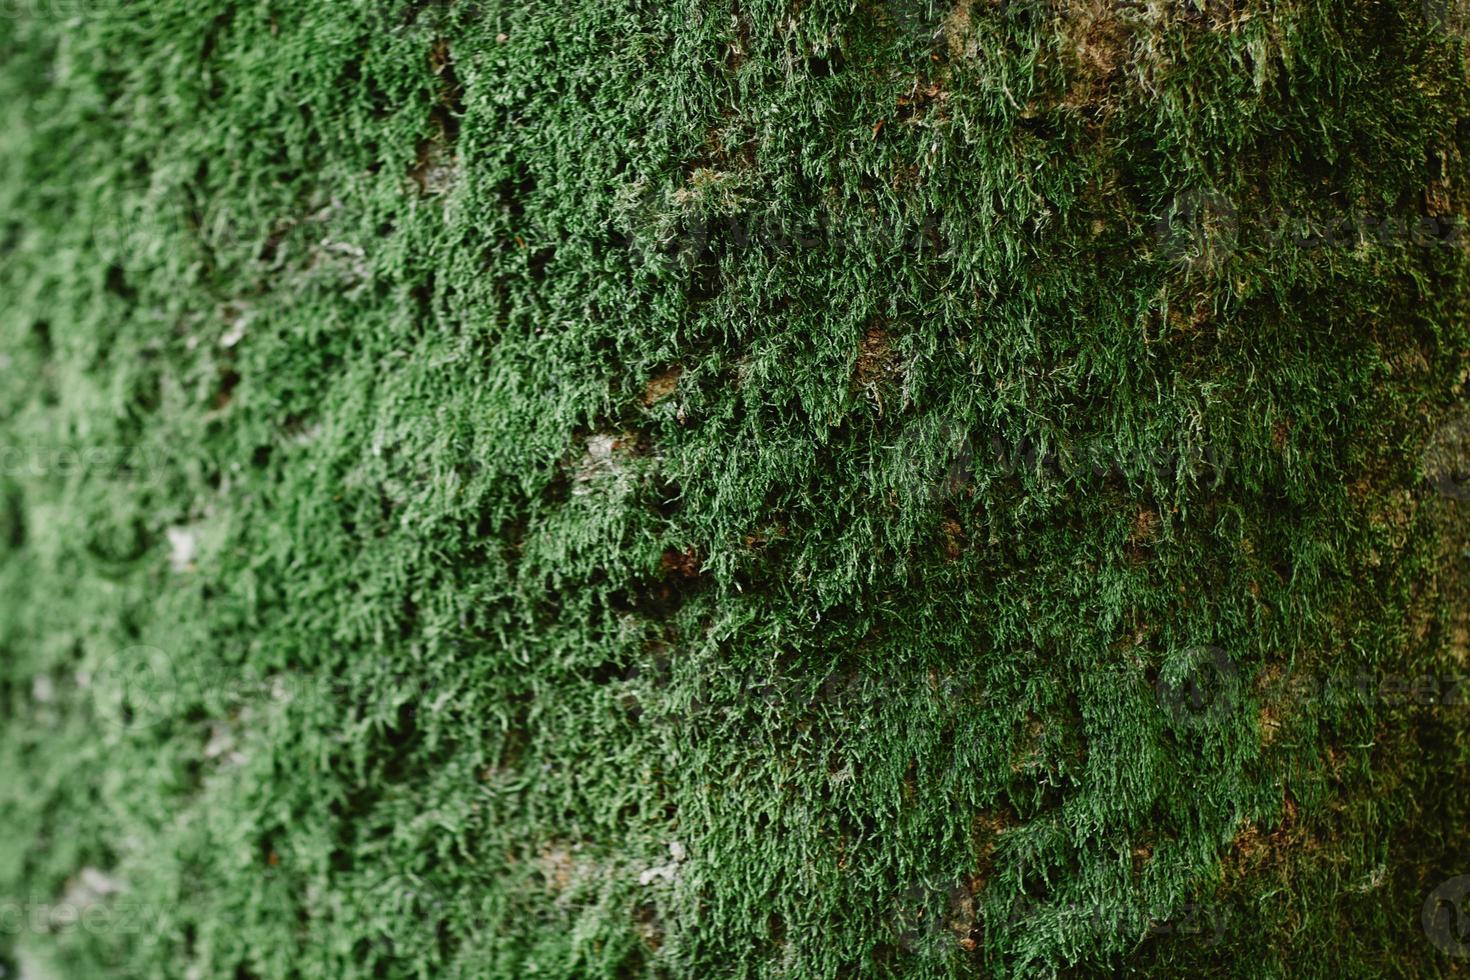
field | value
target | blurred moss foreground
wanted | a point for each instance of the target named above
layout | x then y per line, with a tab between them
748	488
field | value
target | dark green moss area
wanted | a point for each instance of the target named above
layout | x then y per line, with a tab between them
733	489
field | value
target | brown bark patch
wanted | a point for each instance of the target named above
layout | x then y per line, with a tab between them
436	165
955	29
875	357
683	564
1098	44
662	385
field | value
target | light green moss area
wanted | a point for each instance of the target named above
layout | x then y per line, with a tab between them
730	489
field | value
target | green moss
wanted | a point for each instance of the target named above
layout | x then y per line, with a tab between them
729	489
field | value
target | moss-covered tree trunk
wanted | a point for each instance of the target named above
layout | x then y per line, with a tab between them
748	488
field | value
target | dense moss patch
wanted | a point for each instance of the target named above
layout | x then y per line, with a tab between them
749	488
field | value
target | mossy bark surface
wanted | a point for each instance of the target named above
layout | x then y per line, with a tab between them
743	488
